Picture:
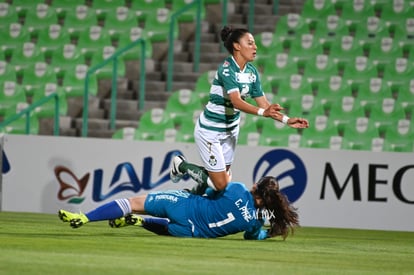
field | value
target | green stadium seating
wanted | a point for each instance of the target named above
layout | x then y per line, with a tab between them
153	125
158	27
322	133
345	110
203	85
356	11
400	137
278	67
277	134
405	96
79	21
42	18
394	13
36	75
304	48
18	126
106	72
370	31
292	88
13	37
64	7
25	56
135	52
290	26
124	133
66	57
306	105
372	91
103	8
185	130
267	46
120	22
344	50
361	134
146	8
398	73
386	114
190	14
332	90
316	11
93	41
405	32
8	15
51	38
24	6
359	70
330	29
318	69
7	72
181	103
73	82
385	52
47	110
11	93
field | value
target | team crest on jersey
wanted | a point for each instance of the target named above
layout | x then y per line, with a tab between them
212	160
226	64
252	78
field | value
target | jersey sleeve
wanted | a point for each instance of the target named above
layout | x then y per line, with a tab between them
226	77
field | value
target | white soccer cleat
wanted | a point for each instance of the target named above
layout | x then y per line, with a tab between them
175	174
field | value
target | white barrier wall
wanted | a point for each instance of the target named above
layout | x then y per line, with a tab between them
344	189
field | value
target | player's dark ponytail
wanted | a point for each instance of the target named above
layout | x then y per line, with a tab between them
229	36
283	217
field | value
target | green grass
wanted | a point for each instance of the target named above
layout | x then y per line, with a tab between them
42	244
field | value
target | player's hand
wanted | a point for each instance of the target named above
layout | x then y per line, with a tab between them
296	122
273	111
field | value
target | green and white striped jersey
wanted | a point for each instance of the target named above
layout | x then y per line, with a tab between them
219	114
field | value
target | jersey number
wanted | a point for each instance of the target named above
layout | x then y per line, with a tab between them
229	219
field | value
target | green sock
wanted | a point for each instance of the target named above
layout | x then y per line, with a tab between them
197	173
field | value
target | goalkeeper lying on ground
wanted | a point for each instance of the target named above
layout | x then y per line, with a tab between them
183	214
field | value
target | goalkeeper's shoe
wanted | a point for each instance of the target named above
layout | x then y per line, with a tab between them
130	219
75	219
175	174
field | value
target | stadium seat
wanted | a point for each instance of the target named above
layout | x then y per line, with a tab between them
18	126
47	110
359	70
73	82
8	15
345	110
153	125
190	14
11	93
103	8
344	50
355	11
370	32
405	32
318	69
120	22
7	72
64	7
330	29
25	56
361	134
398	73
51	38
36	75
316	11
23	6
135	52
405	96
306	105
372	91
386	114
124	133
106	72
275	133
203	85
278	67
146	8
395	12
14	35
385	52
79	21
290	26
185	130
267	46
66	57
292	88
93	41
158	26
181	103
332	90
304	48
400	136
42	18
322	133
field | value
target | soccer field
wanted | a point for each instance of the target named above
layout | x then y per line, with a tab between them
42	244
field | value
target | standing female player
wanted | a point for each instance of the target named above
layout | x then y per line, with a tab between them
217	128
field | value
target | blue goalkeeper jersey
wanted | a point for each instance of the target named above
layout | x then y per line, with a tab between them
232	211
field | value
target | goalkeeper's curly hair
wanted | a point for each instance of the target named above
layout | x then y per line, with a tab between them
284	218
